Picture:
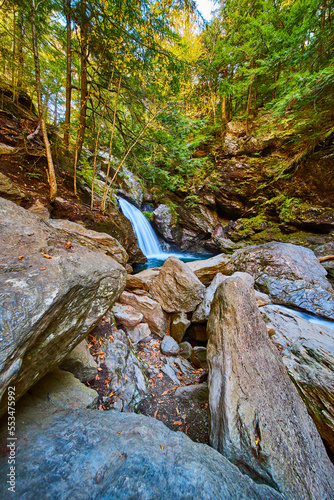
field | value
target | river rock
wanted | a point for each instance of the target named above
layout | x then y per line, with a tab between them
179	326
169	346
102	241
307	350
199	357
39	209
202	311
165	221
206	270
176	287
126	315
128	373
258	419
185	350
262	299
80	362
117	455
50	296
142	280
139	333
150	309
196	393
290	274
9	191
60	388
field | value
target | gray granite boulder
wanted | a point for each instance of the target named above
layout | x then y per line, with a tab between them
176	287
169	346
307	350
258	419
128	380
290	274
51	296
80	362
110	455
179	326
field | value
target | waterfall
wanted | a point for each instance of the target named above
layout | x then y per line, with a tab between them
147	239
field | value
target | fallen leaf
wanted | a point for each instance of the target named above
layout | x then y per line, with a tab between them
46	256
164	393
111	338
155	413
177	422
118	432
101	407
186	431
102	355
97	377
31	234
125	377
111	394
160	375
162	447
21	257
98	353
68	244
257	440
43	268
99	369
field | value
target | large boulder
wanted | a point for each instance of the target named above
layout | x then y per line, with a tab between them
258	419
165	220
176	287
51	296
290	274
127	374
72	454
207	269
142	280
307	350
126	315
80	363
8	190
101	241
202	311
150	309
61	389
179	326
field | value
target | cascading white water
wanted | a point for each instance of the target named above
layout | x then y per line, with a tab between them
147	239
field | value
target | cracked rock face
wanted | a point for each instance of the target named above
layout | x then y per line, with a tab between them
51	296
290	274
122	455
258	420
176	287
307	351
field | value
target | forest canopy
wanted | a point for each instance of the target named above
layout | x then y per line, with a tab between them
150	82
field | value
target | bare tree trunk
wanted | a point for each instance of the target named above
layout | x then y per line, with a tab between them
97	140
51	172
83	89
105	191
127	152
14	54
20	50
67	121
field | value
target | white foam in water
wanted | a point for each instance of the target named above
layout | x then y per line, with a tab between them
318	320
147	239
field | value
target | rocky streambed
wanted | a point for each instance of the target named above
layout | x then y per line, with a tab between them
87	345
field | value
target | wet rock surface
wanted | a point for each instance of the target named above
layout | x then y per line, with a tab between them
290	274
307	351
267	433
